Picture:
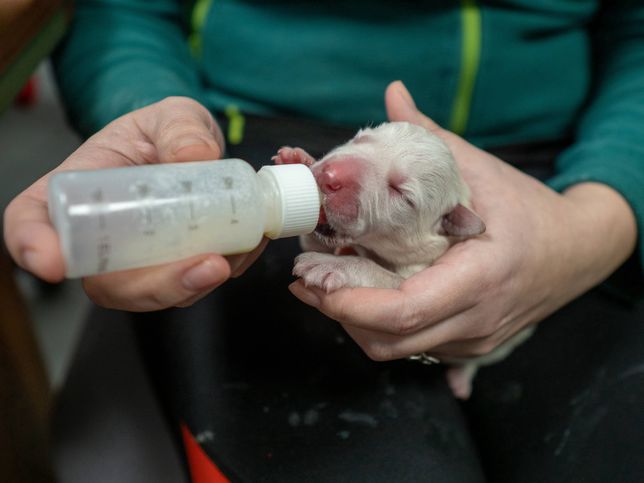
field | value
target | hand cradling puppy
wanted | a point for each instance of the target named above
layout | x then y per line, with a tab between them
394	196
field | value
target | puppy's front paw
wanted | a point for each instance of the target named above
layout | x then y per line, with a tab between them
325	271
289	155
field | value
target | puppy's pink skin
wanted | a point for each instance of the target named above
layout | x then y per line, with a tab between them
340	180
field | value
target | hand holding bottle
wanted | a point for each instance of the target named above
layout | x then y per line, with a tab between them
173	130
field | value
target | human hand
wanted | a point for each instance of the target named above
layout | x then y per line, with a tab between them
174	130
541	249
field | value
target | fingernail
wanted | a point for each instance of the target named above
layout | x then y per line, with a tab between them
201	276
306	296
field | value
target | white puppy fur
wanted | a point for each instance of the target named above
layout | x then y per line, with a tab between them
394	195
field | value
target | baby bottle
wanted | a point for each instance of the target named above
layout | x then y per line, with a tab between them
121	218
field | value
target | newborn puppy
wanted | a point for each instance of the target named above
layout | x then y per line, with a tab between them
394	195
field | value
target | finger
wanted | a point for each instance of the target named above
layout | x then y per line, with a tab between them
159	287
379	346
31	240
467	335
181	129
401	107
454	337
442	291
369	308
240	263
469	347
452	286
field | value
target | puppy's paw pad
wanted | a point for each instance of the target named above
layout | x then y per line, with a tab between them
322	270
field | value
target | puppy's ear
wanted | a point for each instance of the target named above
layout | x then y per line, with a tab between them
461	221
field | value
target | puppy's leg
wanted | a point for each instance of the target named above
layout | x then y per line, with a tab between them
289	155
461	374
331	272
459	379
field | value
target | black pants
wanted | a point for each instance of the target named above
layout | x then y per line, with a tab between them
274	391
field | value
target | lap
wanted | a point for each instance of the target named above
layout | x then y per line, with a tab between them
567	406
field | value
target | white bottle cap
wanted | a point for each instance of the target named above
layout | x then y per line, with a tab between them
300	199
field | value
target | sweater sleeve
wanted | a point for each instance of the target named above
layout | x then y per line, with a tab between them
609	145
120	55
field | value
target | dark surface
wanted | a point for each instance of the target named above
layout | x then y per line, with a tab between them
281	394
278	392
569	404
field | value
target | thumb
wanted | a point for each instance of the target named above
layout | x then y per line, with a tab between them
401	107
181	129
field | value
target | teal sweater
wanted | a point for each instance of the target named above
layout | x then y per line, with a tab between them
496	71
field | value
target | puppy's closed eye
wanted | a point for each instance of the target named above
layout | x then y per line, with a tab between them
397	190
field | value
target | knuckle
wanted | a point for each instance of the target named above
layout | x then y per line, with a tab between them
188	105
407	322
180	124
484	347
183	115
180	102
480	330
404	326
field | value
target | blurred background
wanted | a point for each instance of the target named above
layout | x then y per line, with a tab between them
34	138
75	402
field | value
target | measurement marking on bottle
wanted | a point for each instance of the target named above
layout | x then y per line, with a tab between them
97	197
143	190
148	229
233	209
103	249
187	188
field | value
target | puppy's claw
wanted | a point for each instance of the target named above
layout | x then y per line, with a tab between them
321	270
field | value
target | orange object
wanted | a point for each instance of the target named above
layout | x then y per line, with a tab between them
202	468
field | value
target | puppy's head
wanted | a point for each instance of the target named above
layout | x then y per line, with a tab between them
393	185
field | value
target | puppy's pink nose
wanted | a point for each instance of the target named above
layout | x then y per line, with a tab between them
339	174
340	179
329	182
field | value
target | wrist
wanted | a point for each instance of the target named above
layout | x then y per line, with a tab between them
605	229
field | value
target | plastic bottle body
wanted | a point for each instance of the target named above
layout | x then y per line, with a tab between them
132	217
